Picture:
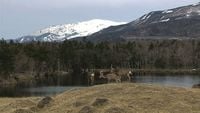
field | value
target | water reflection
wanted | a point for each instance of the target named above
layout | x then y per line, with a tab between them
169	80
37	91
48	91
166	80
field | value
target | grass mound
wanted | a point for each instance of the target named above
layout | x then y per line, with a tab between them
120	98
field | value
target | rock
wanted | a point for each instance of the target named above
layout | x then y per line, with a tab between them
87	109
100	102
22	111
44	102
196	86
115	110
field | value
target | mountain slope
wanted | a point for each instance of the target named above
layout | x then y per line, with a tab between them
69	31
181	22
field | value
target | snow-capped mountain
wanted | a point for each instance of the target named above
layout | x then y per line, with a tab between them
182	23
179	13
69	31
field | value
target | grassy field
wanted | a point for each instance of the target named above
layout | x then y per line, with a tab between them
111	98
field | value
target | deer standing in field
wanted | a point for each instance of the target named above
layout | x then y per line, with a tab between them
125	74
110	76
90	76
129	75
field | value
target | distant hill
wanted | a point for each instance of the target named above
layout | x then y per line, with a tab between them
178	23
182	22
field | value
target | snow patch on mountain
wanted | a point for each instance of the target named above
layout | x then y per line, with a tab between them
195	4
165	20
187	15
168	11
146	16
69	31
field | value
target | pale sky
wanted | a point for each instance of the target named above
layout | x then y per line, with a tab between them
22	17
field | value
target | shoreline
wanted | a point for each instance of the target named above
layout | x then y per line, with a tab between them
168	71
30	81
125	97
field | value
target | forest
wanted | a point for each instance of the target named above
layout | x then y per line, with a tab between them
41	57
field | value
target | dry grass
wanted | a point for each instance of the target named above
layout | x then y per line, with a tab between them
113	98
9	105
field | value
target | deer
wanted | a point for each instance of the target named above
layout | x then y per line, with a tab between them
90	76
129	75
110	76
125	73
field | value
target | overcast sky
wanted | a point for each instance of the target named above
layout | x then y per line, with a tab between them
22	17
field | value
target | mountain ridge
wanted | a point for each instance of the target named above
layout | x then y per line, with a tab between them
176	23
68	31
182	22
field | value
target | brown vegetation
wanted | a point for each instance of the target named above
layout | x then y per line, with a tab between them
113	98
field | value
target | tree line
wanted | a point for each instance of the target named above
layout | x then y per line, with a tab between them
75	55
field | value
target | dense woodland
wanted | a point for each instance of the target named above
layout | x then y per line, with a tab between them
72	55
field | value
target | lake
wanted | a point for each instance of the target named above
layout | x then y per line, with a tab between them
169	80
166	80
36	91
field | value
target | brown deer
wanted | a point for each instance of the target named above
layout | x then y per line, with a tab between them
110	76
125	74
90	76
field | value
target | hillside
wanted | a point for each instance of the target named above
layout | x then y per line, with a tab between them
179	23
112	98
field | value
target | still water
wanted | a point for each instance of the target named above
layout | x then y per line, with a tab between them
36	91
165	80
169	80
